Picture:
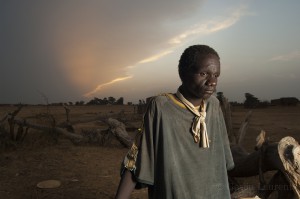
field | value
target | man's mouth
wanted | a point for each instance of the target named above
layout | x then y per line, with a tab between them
209	91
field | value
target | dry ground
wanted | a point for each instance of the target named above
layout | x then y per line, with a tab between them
90	171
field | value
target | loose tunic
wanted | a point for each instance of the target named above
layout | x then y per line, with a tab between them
168	160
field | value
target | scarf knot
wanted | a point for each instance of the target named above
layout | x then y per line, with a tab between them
198	126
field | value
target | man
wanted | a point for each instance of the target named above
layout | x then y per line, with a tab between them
183	150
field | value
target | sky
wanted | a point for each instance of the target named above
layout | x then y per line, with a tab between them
72	50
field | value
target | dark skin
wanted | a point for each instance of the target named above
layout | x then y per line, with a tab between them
126	185
196	85
201	83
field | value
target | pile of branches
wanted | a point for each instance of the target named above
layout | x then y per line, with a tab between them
13	130
264	158
16	131
104	137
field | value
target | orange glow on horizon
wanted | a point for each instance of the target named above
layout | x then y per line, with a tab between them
79	65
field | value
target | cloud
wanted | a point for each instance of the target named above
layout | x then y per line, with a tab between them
210	26
291	76
76	45
85	47
99	87
203	28
287	57
155	57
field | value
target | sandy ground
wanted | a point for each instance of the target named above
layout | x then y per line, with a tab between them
91	171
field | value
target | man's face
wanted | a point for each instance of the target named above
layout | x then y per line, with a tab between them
201	82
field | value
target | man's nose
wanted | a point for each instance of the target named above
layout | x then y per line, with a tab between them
212	81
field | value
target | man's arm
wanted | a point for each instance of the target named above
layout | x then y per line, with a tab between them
126	186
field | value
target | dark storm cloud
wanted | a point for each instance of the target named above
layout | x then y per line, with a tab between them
51	45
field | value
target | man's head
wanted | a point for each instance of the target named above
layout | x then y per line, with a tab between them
189	58
199	69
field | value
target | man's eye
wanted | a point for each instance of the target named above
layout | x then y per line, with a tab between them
203	74
217	75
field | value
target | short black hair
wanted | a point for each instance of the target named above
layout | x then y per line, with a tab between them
190	56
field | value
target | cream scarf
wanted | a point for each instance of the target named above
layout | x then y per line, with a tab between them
198	126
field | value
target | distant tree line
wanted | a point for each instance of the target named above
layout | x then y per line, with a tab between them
250	102
253	102
94	101
285	101
106	101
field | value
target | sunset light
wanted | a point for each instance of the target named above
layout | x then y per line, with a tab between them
75	51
